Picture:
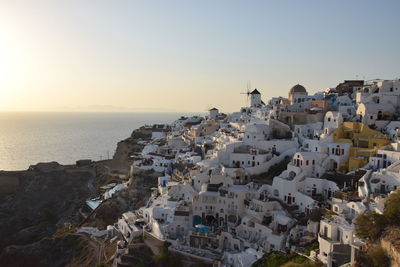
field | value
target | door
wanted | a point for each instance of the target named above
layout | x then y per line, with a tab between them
383	189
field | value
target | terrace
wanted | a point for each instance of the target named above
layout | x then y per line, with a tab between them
249	150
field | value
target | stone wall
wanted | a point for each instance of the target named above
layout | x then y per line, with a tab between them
299	118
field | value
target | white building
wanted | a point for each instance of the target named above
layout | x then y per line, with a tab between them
332	121
336	238
255	99
126	226
213	113
370	113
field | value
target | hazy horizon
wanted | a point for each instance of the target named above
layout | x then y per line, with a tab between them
184	56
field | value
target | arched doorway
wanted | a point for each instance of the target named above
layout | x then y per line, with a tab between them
196	220
380	115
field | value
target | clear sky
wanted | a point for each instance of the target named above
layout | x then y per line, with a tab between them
186	55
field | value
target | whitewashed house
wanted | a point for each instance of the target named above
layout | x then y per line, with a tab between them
332	121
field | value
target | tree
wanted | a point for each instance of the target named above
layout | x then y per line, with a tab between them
316	215
370	225
392	209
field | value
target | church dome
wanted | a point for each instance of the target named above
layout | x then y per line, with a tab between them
297	89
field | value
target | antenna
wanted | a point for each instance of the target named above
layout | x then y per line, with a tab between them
248	88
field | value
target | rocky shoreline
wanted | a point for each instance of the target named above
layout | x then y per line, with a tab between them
40	208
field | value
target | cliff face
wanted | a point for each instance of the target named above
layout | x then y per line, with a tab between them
42	202
37	204
60	250
122	157
390	242
9	183
134	197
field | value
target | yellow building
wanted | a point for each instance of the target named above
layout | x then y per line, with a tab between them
365	142
204	128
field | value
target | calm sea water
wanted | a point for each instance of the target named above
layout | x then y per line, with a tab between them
29	138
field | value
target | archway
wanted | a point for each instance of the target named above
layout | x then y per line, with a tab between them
333	165
380	115
196	220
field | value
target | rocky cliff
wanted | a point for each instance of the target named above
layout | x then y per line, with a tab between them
42	203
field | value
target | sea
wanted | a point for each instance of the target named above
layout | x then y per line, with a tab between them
29	138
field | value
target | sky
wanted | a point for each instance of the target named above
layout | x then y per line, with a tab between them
186	55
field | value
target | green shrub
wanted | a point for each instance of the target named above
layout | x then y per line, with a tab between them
370	225
392	209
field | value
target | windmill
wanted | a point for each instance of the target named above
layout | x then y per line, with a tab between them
248	93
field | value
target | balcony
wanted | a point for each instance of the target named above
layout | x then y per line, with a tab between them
202	234
325	237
